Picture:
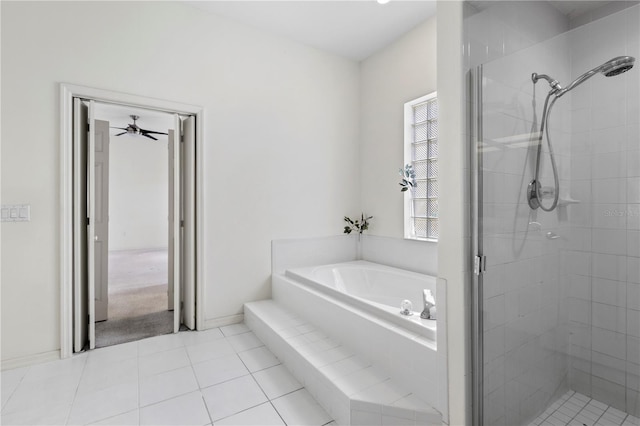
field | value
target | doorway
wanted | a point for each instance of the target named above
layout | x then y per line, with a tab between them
134	266
135	300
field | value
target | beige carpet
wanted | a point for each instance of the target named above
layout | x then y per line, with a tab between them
137	298
135	302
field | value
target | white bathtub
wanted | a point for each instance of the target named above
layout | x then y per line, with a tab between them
358	304
375	288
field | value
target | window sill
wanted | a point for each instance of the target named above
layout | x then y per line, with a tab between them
427	240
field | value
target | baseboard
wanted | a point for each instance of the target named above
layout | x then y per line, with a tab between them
222	321
28	360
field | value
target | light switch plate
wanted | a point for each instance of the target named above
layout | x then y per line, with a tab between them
16	212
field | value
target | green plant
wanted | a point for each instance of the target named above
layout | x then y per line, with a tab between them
358	225
408	177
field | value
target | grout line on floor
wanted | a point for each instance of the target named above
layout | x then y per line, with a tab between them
206	407
277	412
75	394
15	388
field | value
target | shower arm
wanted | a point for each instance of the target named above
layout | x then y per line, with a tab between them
555	86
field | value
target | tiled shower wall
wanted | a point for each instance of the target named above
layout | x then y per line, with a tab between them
603	260
562	289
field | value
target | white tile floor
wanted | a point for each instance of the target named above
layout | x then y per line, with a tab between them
224	376
576	409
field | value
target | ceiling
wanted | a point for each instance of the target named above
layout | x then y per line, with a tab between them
351	28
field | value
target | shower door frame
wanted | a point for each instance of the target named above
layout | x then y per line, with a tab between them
475	77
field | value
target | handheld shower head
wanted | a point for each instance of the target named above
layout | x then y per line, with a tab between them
611	68
617	66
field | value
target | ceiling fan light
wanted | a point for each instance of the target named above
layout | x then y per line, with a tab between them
383	1
135	130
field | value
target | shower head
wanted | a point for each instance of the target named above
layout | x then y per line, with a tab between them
617	66
611	68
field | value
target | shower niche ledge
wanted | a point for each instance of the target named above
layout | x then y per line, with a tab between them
565	201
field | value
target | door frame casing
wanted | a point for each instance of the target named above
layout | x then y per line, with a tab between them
67	93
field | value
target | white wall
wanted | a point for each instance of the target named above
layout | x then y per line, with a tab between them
454	232
280	148
403	71
138	193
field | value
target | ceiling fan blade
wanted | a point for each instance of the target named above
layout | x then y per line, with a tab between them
123	133
121	128
150	137
154	133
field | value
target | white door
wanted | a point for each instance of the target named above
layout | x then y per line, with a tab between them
101	133
181	289
80	278
91	227
188	286
171	283
174	259
97	213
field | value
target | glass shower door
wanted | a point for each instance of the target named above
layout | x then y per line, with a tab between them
522	326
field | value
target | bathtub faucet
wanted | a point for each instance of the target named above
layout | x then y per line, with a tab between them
429	311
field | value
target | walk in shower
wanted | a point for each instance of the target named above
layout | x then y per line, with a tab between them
557	246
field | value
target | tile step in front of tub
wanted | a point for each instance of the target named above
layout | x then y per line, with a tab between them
350	389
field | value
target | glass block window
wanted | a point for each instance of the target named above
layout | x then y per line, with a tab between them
421	151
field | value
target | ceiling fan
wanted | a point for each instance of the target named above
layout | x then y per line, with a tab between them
134	129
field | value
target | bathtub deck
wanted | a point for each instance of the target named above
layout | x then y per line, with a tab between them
351	389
